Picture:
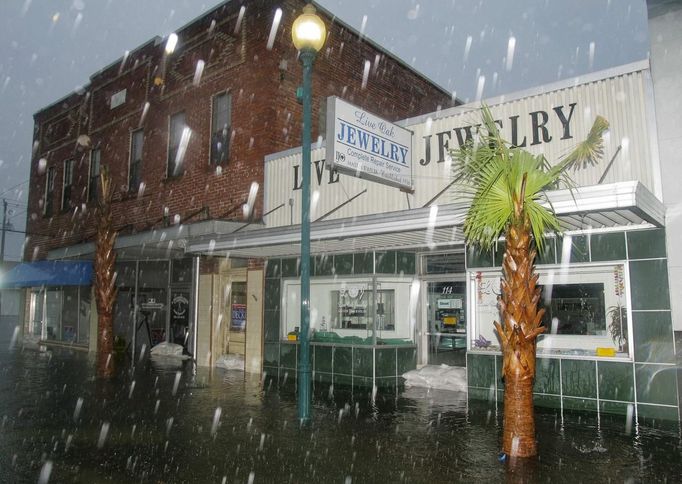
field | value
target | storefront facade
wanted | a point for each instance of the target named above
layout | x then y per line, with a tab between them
394	286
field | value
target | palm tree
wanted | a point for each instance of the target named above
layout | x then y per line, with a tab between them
507	185
105	288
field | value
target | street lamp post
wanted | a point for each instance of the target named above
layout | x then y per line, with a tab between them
308	33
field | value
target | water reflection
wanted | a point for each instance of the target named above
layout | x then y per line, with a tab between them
167	424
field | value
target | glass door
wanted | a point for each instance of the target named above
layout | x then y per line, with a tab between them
37	302
446	331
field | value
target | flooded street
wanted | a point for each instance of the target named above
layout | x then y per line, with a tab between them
157	423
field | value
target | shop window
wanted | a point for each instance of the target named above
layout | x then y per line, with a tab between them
585	308
178	140
220	128
452	263
93	176
135	168
49	191
61	314
67	186
353	307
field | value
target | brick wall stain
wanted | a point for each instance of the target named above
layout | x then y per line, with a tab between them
265	118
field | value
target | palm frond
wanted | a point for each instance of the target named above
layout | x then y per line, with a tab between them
589	151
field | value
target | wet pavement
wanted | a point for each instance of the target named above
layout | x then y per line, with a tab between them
166	423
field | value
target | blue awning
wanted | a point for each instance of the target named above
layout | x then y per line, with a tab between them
48	273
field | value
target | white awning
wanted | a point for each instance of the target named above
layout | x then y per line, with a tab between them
614	205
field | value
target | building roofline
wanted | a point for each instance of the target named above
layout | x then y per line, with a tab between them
532	91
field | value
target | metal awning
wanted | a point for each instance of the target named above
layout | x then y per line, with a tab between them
48	273
623	204
161	243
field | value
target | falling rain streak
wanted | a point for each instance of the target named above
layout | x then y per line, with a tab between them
273	29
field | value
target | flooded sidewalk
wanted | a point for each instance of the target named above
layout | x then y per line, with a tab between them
160	423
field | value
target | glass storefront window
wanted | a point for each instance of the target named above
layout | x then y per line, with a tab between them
585	309
61	314
353	307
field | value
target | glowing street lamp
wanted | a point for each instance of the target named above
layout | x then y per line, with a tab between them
308	33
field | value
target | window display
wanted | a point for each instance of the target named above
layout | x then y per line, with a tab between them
585	309
353	307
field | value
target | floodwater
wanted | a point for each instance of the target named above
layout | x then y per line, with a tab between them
157	423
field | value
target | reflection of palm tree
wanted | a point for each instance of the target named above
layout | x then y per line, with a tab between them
507	187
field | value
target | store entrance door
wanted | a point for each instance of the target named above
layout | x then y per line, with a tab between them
446	322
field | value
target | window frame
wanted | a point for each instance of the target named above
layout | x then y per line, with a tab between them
139	162
48	204
68	170
229	128
170	175
93	194
557	345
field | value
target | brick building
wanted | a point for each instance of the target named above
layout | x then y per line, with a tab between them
184	128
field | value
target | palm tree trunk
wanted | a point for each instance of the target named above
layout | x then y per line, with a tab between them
520	328
105	288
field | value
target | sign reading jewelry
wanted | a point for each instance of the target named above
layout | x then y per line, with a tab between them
363	145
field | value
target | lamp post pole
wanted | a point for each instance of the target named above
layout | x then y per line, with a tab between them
307	57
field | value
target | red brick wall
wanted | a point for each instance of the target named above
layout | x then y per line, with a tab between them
266	118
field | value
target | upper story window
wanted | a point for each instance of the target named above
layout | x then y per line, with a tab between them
93	175
67	185
135	171
178	140
49	191
220	128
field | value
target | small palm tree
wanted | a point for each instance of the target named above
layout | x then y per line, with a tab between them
506	185
105	288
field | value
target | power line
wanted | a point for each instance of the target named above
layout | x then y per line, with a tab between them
15	186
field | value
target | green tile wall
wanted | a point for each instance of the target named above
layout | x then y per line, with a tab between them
579	378
649	284
481	370
323	358
616	381
407	360
547	376
656	384
653	336
646	244
343	360
608	246
385	362
363	361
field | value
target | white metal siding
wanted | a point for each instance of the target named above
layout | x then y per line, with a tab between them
620	99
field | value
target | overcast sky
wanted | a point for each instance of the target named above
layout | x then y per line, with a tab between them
50	47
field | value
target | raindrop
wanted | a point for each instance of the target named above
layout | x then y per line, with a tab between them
198	72
77	411
142	350
42	166
511	46
176	383
273	29
145	110
76	23
182	149
132	387
363	25
103	433
591	54
479	87
467	49
169	424
252	475
156	407
262	442
365	73
15	336
171	43
240	17
216	420
47	466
